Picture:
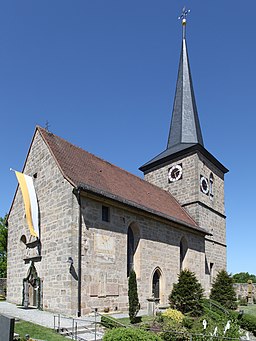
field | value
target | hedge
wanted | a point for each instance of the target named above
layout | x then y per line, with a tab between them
130	334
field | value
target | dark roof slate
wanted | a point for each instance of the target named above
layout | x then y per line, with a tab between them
185	126
84	169
185	134
185	130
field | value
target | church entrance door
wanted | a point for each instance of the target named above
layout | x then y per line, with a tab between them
32	295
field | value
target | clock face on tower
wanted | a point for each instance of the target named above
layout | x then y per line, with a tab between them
175	173
204	185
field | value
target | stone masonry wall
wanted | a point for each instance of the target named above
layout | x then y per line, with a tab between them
58	221
207	210
242	290
104	264
104	245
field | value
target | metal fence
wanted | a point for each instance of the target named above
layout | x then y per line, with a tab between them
87	329
90	329
184	336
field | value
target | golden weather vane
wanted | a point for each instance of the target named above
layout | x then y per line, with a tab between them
183	17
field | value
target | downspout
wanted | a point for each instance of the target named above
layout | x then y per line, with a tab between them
79	254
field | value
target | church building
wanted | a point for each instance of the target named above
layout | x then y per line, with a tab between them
97	221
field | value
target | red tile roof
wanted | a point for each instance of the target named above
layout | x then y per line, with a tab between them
82	168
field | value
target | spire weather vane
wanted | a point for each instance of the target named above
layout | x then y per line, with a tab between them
183	16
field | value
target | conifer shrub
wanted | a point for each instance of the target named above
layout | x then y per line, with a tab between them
134	305
187	294
130	334
223	291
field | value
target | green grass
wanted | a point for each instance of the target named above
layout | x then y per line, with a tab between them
126	320
249	309
37	332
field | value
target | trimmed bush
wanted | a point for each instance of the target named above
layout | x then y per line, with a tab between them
174	333
187	294
174	315
134	305
130	334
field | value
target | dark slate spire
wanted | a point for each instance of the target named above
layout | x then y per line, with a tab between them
185	127
185	133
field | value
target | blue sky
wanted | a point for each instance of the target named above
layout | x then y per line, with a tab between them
103	74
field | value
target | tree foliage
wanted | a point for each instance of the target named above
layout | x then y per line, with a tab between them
187	294
3	247
134	305
243	277
223	290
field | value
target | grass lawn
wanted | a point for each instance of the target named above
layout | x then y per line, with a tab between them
126	320
249	309
37	332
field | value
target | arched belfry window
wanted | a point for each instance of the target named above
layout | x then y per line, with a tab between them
183	252
211	184
130	250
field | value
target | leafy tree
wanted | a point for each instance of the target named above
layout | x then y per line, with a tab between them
223	290
187	294
243	277
134	305
3	247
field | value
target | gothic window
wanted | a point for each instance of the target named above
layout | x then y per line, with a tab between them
211	185
130	250
156	284
183	252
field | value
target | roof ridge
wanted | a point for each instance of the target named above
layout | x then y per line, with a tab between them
105	161
148	188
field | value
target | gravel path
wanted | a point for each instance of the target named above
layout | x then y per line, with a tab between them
42	318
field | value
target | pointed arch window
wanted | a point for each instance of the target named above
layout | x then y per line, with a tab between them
130	250
156	284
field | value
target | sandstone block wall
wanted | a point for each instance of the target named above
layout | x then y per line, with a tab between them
104	245
207	210
58	220
104	264
242	290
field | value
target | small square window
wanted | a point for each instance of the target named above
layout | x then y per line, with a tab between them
105	213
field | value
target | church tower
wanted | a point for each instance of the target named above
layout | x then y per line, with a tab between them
189	172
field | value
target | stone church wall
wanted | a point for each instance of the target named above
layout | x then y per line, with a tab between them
104	264
207	210
57	221
104	245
